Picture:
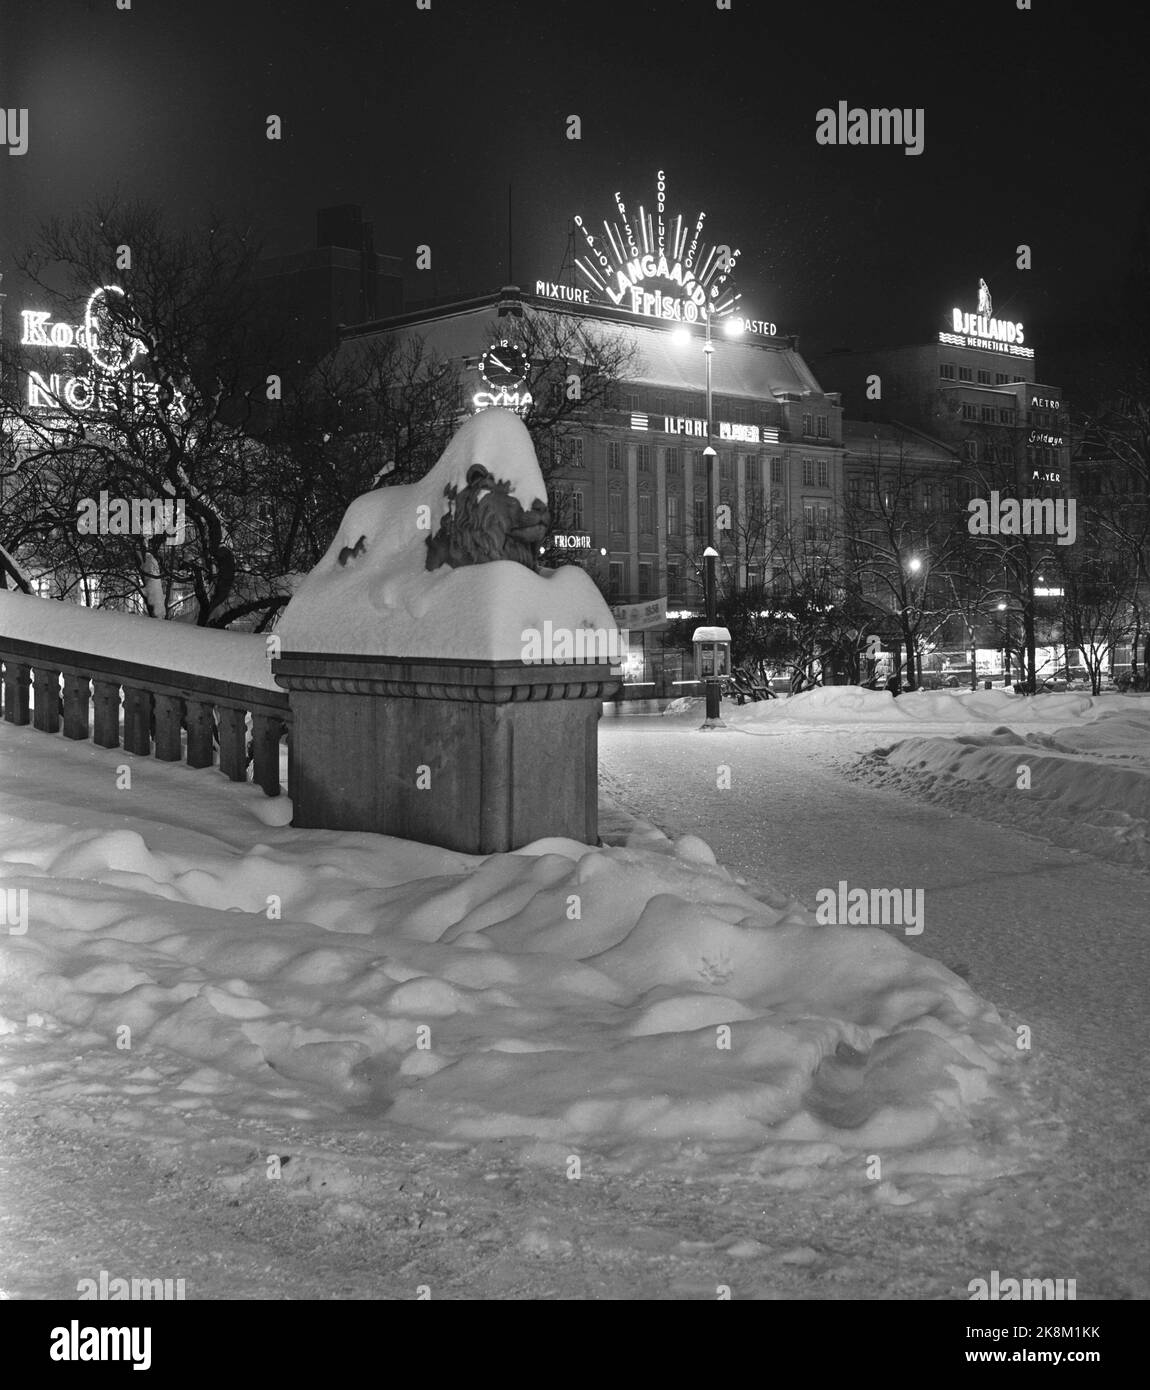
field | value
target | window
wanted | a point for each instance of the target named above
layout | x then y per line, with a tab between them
965	374
946	497
970	450
674	465
927	496
614	455
615	579
674	515
702	531
674	579
986	413
824	473
946	371
645	513
574	452
615	511
659	407
644	581
1000	378
824	523
822	430
809	520
632	400
983	378
577	510
643	455
1006	417
969	411
808	421
725	469
808	472
776	470
853	490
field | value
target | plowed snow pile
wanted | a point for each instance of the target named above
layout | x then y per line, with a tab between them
621	997
1088	782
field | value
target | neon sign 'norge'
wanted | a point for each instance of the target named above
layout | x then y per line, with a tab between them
111	351
658	266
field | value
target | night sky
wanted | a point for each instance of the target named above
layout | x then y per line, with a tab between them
1035	131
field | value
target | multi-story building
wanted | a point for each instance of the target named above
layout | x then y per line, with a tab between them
629	484
976	386
957	417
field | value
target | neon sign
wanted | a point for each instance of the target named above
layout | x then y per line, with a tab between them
656	265
519	401
697	429
111	350
981	330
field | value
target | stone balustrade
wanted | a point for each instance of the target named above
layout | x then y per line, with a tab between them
148	710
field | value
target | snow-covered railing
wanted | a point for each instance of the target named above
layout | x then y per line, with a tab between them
177	714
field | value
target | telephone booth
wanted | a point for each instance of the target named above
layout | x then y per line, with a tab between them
712	652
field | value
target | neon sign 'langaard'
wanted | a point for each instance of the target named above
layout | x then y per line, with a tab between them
656	265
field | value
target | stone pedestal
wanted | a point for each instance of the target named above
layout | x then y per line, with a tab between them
477	756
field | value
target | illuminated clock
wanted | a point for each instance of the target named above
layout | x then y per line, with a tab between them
504	366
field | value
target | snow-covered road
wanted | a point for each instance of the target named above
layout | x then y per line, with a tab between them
1058	939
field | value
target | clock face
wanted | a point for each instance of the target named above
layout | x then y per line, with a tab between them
504	366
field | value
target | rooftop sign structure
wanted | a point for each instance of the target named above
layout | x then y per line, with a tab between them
658	265
983	331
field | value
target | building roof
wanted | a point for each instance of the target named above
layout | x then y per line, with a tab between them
757	370
865	438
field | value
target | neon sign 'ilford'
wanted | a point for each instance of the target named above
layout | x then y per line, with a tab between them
658	266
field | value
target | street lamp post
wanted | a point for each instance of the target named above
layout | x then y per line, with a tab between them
711	555
712	683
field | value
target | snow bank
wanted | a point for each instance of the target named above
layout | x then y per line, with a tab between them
851	704
1098	773
227	656
384	601
616	998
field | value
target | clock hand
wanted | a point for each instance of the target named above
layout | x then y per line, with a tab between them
497	362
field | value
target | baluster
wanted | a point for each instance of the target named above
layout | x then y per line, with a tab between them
77	695
46	717
137	719
17	678
169	710
106	698
198	718
266	731
233	743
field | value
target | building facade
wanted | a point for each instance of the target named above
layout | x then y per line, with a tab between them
629	480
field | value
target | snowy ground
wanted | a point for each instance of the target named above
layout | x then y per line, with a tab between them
593	1036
